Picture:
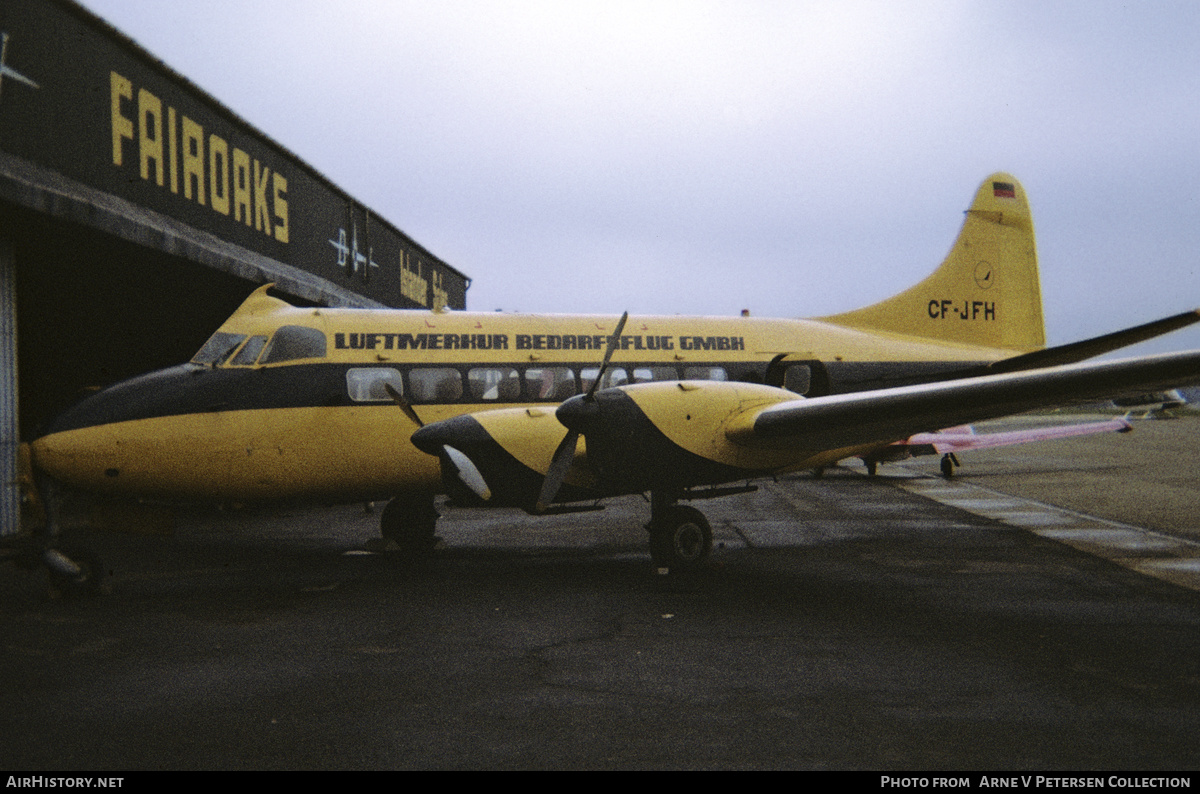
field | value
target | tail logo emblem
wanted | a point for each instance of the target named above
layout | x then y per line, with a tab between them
984	277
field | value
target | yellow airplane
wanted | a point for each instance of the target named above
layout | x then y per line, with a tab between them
544	412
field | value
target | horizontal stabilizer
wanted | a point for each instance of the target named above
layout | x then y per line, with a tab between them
1089	348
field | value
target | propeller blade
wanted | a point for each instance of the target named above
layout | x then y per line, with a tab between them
404	406
565	454
613	341
468	473
557	471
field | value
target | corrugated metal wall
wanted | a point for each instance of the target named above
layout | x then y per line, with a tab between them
10	504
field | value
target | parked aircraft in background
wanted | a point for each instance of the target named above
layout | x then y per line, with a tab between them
1156	405
960	439
549	412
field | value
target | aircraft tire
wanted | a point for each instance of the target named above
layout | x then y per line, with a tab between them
86	583
410	521
681	539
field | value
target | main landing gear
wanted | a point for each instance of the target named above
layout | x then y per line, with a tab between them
409	521
680	537
949	461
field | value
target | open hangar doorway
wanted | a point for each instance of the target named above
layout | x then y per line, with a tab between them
83	323
137	212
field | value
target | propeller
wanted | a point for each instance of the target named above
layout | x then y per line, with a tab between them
404	406
468	474
565	454
613	341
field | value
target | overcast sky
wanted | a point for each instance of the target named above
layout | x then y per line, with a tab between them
792	158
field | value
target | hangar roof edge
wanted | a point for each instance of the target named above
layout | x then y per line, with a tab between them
34	187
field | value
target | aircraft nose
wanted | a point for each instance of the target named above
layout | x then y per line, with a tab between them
158	393
96	443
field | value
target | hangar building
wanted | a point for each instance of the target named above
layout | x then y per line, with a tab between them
136	213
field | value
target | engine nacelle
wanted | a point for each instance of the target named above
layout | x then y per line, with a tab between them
510	450
672	434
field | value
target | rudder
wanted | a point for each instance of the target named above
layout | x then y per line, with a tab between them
986	292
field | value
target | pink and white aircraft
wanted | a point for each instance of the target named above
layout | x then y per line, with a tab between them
963	437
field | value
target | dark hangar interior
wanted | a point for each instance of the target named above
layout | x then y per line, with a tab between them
136	213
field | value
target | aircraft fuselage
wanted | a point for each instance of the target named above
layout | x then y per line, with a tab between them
288	403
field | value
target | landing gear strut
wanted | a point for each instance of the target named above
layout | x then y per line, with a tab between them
73	572
680	537
410	521
949	461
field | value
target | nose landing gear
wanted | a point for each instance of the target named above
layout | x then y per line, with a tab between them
73	572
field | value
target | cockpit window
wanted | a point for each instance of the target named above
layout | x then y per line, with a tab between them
292	342
249	352
218	348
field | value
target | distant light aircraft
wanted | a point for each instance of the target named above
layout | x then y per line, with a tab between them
552	413
1157	405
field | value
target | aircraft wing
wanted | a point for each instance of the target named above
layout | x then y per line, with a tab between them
888	415
959	439
670	435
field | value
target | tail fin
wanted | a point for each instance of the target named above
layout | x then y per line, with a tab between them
986	292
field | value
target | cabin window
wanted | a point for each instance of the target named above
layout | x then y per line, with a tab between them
435	385
798	378
613	376
647	374
293	342
550	383
218	348
502	384
704	373
369	384
249	352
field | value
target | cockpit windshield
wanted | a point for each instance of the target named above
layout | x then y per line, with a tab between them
249	352
289	343
292	342
218	348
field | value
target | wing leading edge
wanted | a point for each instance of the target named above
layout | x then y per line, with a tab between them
888	415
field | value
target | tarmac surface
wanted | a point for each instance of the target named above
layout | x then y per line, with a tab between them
895	622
